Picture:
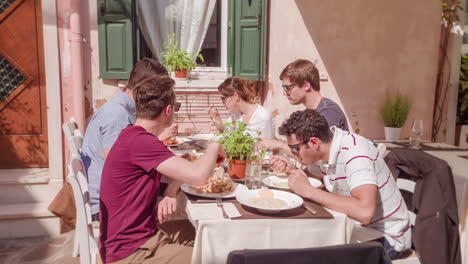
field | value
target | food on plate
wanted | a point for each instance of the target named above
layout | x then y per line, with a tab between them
269	202
170	141
265	193
190	156
215	185
265	200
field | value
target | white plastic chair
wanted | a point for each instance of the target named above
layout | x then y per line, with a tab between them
73	136
85	241
382	149
408	185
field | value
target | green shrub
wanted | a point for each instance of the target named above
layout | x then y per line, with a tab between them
462	109
395	111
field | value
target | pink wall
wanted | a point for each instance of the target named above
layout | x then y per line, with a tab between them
364	49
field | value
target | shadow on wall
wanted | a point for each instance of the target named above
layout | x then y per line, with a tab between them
373	48
87	25
19	149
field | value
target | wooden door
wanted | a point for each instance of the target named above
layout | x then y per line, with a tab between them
23	117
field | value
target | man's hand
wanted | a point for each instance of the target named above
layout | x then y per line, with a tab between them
280	163
169	132
166	207
298	182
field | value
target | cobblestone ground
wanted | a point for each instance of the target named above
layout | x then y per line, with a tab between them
42	250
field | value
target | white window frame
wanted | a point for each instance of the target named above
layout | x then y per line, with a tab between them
222	71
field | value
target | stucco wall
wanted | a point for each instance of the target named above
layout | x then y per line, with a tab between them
364	49
97	90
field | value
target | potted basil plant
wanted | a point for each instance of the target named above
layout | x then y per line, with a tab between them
239	145
177	60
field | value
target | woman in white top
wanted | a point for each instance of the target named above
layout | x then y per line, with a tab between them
238	98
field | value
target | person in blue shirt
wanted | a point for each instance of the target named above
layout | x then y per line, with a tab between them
107	123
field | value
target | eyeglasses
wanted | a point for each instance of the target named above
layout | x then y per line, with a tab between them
296	147
288	87
224	98
177	106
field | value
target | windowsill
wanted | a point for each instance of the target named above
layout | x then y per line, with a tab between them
194	85
205	81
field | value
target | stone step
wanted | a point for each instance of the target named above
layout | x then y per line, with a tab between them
27	220
27	186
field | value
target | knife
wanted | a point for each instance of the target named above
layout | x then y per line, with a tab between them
309	209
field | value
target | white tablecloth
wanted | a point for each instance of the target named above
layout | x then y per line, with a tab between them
460	177
215	239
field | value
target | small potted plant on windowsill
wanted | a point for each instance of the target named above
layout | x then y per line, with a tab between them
394	114
239	145
177	60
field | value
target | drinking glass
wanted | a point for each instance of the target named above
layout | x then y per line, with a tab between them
416	131
253	174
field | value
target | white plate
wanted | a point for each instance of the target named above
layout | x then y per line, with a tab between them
237	189
292	200
201	136
179	139
282	183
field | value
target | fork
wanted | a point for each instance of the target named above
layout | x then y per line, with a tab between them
219	203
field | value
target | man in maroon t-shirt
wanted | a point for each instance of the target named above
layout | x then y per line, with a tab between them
130	184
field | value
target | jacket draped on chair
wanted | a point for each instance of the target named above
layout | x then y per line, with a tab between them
435	234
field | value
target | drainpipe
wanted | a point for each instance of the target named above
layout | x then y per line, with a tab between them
76	40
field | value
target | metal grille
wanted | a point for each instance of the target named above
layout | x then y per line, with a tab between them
4	4
10	78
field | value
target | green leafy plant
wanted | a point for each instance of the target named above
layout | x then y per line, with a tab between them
174	58
395	111
238	141
462	111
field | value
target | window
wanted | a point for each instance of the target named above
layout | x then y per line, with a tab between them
234	42
212	46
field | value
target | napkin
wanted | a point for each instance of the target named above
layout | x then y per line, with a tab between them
204	211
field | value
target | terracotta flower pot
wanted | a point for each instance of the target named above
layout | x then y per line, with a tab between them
181	73
236	169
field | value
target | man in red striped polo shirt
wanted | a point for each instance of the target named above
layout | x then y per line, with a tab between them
357	180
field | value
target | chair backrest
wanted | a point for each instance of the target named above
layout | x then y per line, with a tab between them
362	253
73	136
382	148
87	242
408	186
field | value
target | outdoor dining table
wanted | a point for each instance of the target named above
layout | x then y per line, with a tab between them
458	160
217	237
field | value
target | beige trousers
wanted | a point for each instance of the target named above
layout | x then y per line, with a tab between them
173	243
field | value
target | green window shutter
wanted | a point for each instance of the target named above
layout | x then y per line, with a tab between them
117	52
248	22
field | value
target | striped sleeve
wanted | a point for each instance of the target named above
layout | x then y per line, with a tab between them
359	169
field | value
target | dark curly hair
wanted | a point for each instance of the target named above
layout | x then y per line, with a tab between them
152	95
306	124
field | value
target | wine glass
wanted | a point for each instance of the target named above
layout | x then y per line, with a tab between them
416	131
